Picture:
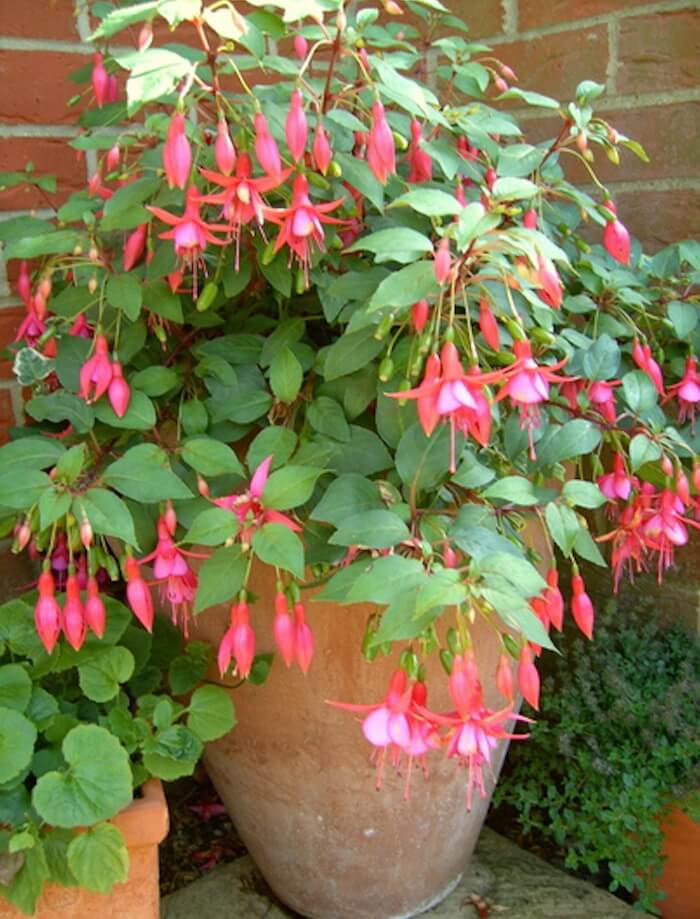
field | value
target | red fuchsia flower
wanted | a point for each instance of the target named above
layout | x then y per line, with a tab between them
581	606
100	80
296	127
113	158
616	238
135	246
489	326
177	153
266	149
47	613
419	315
465	149
31	328
96	372
301	224
304	644
570	391
23	286
628	547
442	261
381	150
460	193
665	528
528	677
301	46
687	392
249	509
554	600
243	639
602	395
95	613
80	327
283	629
224	151
642	356
171	569
321	153
119	392
74	625
550	286
528	386
530	219
618	483
419	160
190	234
112	89
504	678
138	594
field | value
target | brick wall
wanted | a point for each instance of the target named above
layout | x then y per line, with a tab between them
647	54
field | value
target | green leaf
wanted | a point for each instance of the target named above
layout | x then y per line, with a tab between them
515	612
274	441
210	713
563	525
154	73
327	417
123	211
159	299
17	738
155	380
639	391
523	576
98	858
642	450
195	419
350	352
684	318
102	674
513	488
286	375
30	453
188	670
364	453
290	486
357	173
123	292
119	18
62	406
395	244
28	883
211	457
56	243
15	687
140	415
602	360
71	464
376	529
144	474
510	188
346	496
585	546
173	753
220	577
107	513
423	461
276	544
402	288
583	494
519	160
52	506
212	527
575	438
429	201
95	785
18	493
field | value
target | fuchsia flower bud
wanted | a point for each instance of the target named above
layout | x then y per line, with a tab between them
112	89
303	640
134	246
170	518
266	147
96	372
683	487
86	534
420	161
501	85
504	678
138	594
321	150
528	677
177	153
283	629
94	184
74	625
95	613
381	150
301	46
145	36
419	315
296	128
225	652
554	600
224	151
100	80
113	158
24	284
442	263
489	325
449	557
22	534
460	194
551	290
642	356
530	219
581	606
243	639
47	613
687	392
119	391
616	238
490	177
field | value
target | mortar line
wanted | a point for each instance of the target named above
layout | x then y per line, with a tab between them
613	56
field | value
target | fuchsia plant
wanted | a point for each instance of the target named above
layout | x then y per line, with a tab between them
345	324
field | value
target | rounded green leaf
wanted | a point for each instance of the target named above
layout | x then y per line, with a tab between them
211	713
98	858
15	687
101	676
17	738
211	457
95	786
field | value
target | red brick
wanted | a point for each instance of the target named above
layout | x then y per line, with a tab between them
7	415
50	156
10	320
660	51
484	17
36	88
556	64
51	19
537	14
658	218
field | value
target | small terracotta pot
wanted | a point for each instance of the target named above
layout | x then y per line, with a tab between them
680	880
295	776
144	824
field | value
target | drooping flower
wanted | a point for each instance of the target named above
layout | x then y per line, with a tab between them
618	483
224	151
504	678
23	285
177	153
665	528
550	286
581	606
321	153
419	160
266	149
113	157
134	247
687	392
602	396
296	126
283	628
301	46
138	594
442	261
528	677
616	237
74	623
171	569
32	327
119	391
96	373
100	80
381	150
304	643
489	326
112	89
643	358
47	613
95	613
243	639
420	312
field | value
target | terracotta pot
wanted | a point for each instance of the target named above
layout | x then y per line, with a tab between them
680	880
144	824
296	778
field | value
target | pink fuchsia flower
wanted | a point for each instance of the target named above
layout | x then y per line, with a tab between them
243	639
687	392
602	395
489	326
550	286
381	150
266	149
95	613
138	594
135	246
248	505
581	606
177	153
74	624
96	373
618	483
100	80
113	158
47	613
665	528
419	160
171	569
642	356
442	261
628	547
528	677
224	151
23	285
554	600
616	238
80	327
31	328
112	89
296	127
304	644
118	392
321	153
301	46
504	678
301	224
283	629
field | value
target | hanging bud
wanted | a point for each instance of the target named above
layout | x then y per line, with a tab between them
225	652
616	238
442	263
530	219
95	613
47	614
504	677
24	284
554	600
420	161
301	46
224	150
112	89
113	158
86	534
145	36
683	487
581	606
321	150
419	315
74	625
134	247
243	642
119	391
202	487
489	325
283	629
381	149
266	147
528	677
296	128
100	80
138	594
501	85
170	518
449	557
551	290
303	640
177	153
490	177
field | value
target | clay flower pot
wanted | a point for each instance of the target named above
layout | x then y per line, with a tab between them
680	880
144	824
296	778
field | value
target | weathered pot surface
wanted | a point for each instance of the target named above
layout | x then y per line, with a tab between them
296	778
680	880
